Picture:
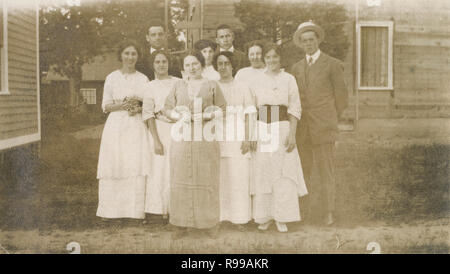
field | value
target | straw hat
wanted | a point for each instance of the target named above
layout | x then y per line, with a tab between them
308	26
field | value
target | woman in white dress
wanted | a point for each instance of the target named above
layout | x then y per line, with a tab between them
124	158
257	65
277	177
158	188
235	202
207	48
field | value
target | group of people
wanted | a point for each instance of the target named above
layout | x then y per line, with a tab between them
274	133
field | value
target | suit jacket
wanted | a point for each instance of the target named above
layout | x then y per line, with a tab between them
323	96
144	66
240	59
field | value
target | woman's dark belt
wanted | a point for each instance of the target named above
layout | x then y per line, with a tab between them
272	113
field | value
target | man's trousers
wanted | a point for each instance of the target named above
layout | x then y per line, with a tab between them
318	169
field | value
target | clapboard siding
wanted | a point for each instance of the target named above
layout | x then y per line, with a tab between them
19	112
21	29
421	72
421	60
9	134
18	103
19	52
21	72
14	121
217	13
13	42
421	54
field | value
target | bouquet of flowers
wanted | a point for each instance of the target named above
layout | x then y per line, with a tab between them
133	105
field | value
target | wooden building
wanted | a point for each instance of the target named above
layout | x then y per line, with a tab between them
19	93
204	16
55	88
399	56
398	59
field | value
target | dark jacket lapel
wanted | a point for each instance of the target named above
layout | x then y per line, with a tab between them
317	67
301	74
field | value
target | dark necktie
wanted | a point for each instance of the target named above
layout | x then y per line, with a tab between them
307	67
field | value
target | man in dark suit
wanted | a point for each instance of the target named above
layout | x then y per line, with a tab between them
323	96
157	40
225	38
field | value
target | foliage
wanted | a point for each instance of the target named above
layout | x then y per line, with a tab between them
275	22
69	37
130	20
72	35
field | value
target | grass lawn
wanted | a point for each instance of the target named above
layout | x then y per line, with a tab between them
392	192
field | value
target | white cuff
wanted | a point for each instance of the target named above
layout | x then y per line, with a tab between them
174	115
207	115
218	113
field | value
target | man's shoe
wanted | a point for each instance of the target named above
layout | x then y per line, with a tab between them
329	219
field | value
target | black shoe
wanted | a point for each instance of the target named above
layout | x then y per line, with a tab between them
329	220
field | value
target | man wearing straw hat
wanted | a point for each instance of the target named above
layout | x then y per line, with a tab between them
323	96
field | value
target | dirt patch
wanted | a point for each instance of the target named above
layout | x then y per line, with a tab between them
426	237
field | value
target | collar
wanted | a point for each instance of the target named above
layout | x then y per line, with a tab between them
230	49
315	56
263	69
266	69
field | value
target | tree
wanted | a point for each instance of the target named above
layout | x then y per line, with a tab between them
69	37
277	21
72	35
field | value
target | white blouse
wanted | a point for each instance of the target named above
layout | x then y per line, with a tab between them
210	73
235	92
155	99
280	89
237	97
248	74
119	85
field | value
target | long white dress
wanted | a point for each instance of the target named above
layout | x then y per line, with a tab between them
277	176
124	158
158	187
235	201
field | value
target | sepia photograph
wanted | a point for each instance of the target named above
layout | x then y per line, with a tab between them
224	127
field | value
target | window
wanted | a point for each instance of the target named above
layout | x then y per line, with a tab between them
374	53
89	95
3	49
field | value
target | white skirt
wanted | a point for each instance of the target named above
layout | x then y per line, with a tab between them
277	177
125	147
123	166
235	200
281	205
271	162
157	197
121	198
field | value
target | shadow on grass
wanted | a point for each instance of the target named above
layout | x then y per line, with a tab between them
398	185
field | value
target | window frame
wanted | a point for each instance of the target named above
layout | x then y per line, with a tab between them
4	88
390	26
93	90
